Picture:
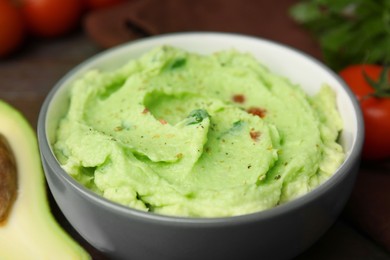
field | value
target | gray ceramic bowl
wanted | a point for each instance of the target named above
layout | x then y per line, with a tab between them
278	233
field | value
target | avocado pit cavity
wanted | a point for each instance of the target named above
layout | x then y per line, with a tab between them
8	178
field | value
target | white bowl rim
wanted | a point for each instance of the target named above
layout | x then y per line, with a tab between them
342	172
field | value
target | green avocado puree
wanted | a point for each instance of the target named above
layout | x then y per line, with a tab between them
185	134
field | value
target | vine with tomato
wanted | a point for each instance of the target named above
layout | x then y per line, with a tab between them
354	36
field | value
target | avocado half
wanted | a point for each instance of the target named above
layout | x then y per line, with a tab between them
29	230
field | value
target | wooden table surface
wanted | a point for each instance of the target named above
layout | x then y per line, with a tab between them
26	79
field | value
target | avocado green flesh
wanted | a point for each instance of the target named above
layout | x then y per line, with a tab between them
173	133
30	230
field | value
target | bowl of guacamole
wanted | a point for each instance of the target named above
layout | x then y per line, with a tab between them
200	146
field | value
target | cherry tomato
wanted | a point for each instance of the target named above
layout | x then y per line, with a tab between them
371	85
11	28
99	4
51	18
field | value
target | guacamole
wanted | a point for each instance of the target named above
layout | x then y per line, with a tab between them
185	134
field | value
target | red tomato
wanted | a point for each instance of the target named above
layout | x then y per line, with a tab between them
51	18
99	4
375	104
11	28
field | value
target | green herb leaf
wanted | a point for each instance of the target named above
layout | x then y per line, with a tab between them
197	116
237	125
177	63
348	31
